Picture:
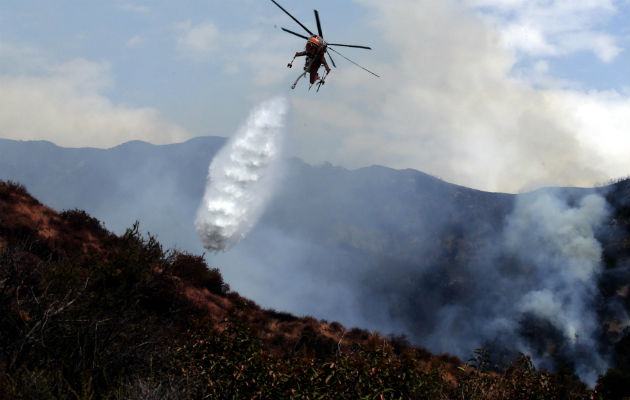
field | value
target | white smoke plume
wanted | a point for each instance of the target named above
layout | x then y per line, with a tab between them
241	178
558	243
536	287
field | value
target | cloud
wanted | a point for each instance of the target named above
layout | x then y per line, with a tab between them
65	103
200	40
600	121
250	52
21	58
529	39
554	28
135	41
447	103
136	8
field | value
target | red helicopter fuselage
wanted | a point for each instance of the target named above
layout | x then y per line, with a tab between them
315	49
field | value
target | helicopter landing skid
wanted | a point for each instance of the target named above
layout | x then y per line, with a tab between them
322	81
302	75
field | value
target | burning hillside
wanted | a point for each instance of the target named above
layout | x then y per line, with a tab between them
85	313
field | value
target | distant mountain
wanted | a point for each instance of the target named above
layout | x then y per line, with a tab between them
393	250
93	177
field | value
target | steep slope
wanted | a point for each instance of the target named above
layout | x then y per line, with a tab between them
36	230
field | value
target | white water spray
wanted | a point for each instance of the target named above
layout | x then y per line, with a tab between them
241	178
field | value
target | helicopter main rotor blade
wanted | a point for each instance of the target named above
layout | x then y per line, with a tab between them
292	17
319	27
331	59
293	33
365	69
350	45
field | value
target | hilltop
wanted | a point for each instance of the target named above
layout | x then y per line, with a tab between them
88	314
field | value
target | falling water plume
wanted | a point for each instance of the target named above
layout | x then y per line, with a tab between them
241	178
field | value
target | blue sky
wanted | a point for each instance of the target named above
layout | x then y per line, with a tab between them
495	94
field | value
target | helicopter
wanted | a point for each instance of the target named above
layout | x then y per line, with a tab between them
315	50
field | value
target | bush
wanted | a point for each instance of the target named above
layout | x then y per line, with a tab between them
614	385
399	342
281	315
74	329
8	187
194	270
80	220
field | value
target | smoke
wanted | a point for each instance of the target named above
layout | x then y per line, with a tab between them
535	287
558	244
241	178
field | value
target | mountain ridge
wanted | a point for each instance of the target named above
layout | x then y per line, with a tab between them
396	250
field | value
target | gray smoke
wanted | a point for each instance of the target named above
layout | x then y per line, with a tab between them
536	287
241	178
558	244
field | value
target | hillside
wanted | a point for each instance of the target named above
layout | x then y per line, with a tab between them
88	314
388	250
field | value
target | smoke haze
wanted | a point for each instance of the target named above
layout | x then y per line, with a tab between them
241	178
535	287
